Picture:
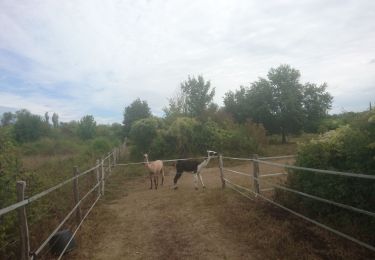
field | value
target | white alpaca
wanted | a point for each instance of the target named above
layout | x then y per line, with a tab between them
155	169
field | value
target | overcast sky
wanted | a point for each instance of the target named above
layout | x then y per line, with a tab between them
95	57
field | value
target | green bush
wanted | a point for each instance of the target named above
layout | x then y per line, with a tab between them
187	136
47	160
29	127
101	145
87	127
349	149
50	147
143	132
9	170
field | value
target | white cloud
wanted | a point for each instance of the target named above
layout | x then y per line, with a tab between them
107	53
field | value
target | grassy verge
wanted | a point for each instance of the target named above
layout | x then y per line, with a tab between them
41	171
276	234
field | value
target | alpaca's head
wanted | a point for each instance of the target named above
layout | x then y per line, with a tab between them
145	157
211	153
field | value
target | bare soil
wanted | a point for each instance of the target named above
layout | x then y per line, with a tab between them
134	222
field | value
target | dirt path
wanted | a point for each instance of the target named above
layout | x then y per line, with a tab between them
133	222
162	224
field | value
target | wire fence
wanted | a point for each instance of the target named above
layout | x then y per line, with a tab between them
261	178
43	193
102	170
166	160
347	174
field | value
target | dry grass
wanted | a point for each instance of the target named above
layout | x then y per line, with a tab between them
133	222
35	162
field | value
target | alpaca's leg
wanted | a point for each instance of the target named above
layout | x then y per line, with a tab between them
200	178
162	176
156	180
176	177
195	180
151	181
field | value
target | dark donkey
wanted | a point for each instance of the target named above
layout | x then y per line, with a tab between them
193	166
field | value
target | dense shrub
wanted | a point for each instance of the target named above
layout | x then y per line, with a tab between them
185	136
50	147
349	148
181	134
102	145
114	131
87	127
143	132
9	166
69	129
9	169
48	156
29	127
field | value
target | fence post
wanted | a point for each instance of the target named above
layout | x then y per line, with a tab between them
103	176
114	157
97	171
109	163
256	173
221	171
76	194
24	229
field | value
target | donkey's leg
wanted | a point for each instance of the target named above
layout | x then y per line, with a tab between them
200	178
195	180
176	177
156	181
162	176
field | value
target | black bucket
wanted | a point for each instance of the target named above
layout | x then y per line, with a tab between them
59	241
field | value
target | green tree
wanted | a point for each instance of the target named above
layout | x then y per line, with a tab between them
316	103
116	131
281	103
237	104
87	127
29	127
8	118
193	99
46	118
287	93
137	110
69	129
177	106
55	120
198	95
143	132
181	135
262	106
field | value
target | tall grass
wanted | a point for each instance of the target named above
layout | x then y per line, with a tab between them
44	164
